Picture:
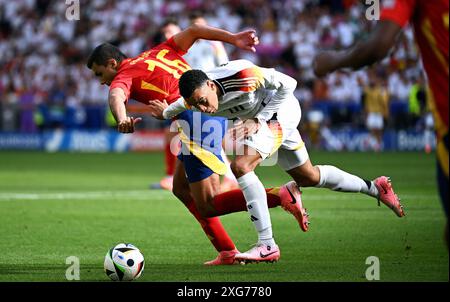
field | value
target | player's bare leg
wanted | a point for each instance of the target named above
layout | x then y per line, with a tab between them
203	192
181	185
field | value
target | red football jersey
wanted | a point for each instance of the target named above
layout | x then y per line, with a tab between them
153	75
430	21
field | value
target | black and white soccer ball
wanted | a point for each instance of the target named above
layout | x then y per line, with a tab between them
124	262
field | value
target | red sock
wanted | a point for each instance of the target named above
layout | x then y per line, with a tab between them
234	201
170	160
213	229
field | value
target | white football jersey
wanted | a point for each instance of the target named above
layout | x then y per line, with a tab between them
250	91
205	55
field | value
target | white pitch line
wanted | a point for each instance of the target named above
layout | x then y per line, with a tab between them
149	195
98	195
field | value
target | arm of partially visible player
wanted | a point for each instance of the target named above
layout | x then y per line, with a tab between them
117	100
220	54
161	110
364	53
284	87
246	40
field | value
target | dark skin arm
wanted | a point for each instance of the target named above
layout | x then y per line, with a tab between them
365	53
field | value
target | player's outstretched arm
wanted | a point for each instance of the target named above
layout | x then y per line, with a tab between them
125	124
246	40
364	53
162	110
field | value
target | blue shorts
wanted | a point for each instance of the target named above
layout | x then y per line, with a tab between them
442	176
201	144
195	169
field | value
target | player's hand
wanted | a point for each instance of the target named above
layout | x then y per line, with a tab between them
127	125
323	63
247	40
157	108
244	129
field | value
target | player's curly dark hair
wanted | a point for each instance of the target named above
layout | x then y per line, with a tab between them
191	80
102	53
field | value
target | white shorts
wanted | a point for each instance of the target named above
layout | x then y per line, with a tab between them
281	138
374	121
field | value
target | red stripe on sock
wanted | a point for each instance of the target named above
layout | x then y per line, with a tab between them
234	201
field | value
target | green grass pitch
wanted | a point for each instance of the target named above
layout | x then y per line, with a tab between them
68	204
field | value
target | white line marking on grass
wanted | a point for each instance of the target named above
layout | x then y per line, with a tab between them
150	195
98	195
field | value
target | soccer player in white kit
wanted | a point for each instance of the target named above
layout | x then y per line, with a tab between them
206	55
255	95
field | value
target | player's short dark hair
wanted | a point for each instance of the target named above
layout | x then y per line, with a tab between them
191	80
195	15
102	53
169	21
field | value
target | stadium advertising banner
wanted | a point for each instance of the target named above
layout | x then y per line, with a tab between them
352	140
83	141
147	141
144	141
20	141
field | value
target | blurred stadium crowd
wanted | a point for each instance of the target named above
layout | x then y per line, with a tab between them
44	82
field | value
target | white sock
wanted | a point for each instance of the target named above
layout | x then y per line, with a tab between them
256	198
229	174
338	180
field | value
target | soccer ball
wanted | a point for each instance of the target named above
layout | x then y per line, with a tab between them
124	262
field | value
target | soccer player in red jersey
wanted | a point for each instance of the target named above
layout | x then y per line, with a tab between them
196	53
153	75
430	22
